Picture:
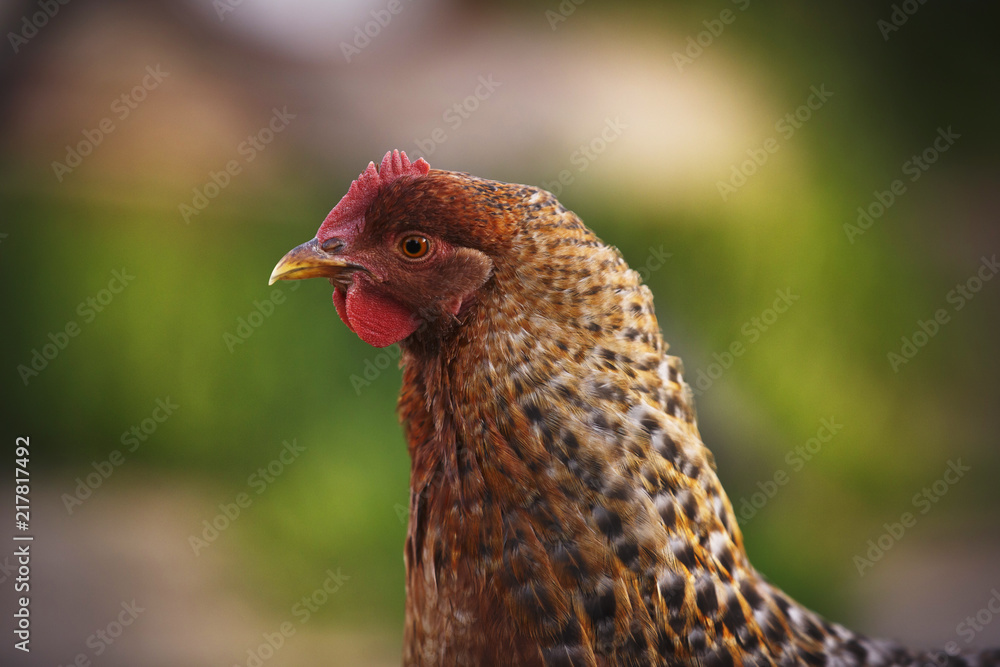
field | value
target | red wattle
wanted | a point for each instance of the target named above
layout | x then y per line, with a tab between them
379	320
340	303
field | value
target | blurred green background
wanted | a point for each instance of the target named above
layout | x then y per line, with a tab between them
688	116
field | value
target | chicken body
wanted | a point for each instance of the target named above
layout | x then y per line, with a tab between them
563	508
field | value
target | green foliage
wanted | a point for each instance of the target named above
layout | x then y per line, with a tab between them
175	331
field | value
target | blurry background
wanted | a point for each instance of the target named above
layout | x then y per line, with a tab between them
188	145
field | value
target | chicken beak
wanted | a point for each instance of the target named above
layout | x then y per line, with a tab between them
309	260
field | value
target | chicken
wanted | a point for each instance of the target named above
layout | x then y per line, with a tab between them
563	508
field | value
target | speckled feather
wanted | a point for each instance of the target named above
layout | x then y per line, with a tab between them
563	508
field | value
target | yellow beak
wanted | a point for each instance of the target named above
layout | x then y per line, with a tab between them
309	260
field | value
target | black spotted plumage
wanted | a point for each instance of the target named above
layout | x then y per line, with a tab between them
564	509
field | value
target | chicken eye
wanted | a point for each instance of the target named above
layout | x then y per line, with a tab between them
414	247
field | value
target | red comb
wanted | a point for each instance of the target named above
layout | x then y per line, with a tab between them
346	217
